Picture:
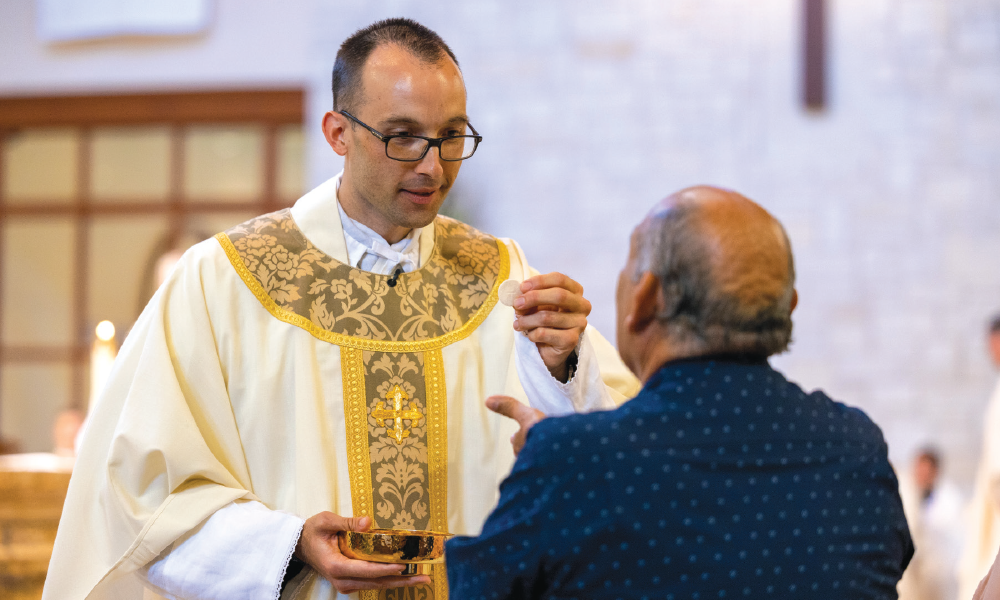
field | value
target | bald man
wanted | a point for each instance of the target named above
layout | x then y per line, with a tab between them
721	478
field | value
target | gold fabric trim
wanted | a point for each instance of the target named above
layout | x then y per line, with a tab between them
437	456
437	437
440	581
356	416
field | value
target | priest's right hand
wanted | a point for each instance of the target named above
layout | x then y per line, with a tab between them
319	549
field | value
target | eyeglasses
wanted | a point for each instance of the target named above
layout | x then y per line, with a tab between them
411	148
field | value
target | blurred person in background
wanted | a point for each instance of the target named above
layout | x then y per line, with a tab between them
983	533
933	506
67	425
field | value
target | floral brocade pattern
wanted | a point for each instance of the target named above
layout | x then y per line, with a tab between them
429	302
394	394
400	471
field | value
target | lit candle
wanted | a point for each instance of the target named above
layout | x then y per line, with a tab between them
102	356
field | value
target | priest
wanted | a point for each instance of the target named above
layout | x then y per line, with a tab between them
323	368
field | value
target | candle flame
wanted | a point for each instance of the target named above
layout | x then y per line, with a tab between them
105	331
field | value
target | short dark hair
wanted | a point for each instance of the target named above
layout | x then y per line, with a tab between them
995	324
354	52
702	315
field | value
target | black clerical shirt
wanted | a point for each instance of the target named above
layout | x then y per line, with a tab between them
721	479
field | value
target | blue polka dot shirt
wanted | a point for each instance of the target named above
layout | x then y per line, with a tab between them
721	479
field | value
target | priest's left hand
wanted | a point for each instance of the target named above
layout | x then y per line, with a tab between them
553	313
319	548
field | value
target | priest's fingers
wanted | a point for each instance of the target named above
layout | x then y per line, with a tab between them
338	566
319	548
551	280
556	298
553	320
555	289
346	586
525	416
338	570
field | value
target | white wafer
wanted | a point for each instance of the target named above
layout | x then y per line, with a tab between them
509	291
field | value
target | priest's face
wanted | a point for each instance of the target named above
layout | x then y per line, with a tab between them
400	95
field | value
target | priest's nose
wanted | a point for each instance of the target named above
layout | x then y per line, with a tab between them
430	164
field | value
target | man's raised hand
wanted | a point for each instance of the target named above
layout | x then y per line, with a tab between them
552	312
525	416
318	547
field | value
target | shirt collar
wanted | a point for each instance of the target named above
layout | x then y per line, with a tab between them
362	239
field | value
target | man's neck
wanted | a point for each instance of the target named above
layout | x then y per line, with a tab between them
653	352
659	350
361	211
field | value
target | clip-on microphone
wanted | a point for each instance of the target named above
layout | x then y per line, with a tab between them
392	280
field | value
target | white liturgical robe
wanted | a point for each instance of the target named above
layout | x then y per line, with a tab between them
983	533
214	401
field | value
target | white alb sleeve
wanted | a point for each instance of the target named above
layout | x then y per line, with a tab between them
241	551
584	392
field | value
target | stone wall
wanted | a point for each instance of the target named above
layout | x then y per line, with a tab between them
592	111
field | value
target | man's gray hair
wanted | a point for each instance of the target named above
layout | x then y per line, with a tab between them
700	315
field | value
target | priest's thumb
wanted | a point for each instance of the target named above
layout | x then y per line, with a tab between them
332	523
357	523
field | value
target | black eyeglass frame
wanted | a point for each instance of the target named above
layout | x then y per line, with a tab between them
431	142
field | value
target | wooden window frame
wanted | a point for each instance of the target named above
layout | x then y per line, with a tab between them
270	109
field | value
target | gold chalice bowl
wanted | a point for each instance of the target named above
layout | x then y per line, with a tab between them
415	549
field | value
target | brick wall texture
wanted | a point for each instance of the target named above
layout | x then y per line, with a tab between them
593	110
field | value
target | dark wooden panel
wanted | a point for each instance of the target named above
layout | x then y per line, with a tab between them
128	208
43	354
273	106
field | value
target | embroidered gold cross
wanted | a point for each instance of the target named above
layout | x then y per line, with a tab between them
396	395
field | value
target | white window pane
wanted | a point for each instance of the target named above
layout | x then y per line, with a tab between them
40	165
38	281
223	163
32	396
291	162
130	163
121	268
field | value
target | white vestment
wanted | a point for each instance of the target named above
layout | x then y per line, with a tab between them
983	530
213	400
936	526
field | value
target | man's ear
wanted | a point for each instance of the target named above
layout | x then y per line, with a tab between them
334	130
795	301
646	302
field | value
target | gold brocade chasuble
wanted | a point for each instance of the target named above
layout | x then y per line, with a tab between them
390	341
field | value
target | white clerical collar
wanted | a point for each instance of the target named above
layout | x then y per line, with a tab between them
318	218
369	251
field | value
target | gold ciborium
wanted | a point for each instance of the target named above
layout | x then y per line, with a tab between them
415	549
